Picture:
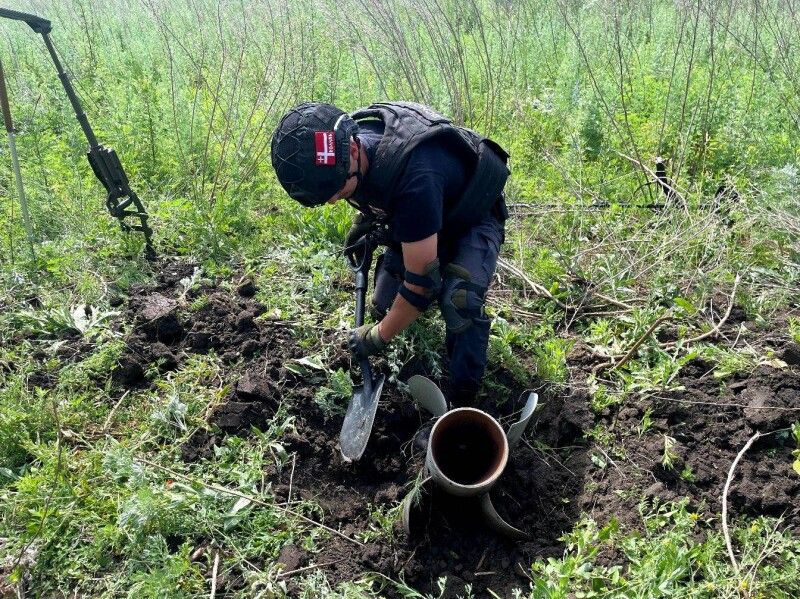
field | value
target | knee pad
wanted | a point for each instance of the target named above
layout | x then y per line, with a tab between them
462	300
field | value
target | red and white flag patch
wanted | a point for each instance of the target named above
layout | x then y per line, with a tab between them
326	148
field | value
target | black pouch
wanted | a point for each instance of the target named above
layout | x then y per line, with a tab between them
485	186
500	210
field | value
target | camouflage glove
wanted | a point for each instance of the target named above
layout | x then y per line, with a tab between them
366	341
362	225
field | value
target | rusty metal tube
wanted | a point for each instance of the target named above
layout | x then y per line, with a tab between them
467	452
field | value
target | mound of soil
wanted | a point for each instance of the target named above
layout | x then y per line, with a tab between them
543	491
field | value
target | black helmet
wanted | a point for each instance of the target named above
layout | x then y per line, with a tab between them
311	151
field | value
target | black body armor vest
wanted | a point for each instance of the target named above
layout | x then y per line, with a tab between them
407	124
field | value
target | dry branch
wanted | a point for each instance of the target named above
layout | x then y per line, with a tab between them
640	340
214	572
666	316
656	179
536	287
716	328
725	531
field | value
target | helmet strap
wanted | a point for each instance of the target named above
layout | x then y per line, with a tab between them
356	174
352	200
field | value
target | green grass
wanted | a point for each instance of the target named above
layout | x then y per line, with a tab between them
678	554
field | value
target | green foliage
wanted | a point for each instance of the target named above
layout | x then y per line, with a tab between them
603	397
726	361
551	359
26	416
502	340
794	329
647	422
678	555
668	455
687	474
61	321
796	452
383	520
334	396
168	575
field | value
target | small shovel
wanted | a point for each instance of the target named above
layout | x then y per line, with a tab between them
360	414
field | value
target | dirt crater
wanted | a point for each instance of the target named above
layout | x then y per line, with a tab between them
547	485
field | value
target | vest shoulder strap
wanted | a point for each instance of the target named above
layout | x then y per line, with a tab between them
406	125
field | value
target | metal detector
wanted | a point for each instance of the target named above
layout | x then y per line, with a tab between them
121	201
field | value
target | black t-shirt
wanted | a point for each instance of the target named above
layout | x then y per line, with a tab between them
432	180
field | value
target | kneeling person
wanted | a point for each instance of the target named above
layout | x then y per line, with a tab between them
437	187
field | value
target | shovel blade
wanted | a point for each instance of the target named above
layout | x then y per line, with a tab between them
358	420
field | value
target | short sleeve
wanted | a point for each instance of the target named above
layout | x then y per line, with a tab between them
418	202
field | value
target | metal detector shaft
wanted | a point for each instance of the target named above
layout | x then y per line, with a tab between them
12	144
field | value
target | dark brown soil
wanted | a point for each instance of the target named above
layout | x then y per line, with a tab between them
543	491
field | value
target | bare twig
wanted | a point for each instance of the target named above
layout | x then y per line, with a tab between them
724	405
725	531
480	561
214	571
666	316
536	287
291	478
255	500
650	172
114	410
310	567
611	300
608	457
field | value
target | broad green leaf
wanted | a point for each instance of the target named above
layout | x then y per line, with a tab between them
685	304
242	503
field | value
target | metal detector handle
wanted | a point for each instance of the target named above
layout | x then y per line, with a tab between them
104	161
4	101
38	24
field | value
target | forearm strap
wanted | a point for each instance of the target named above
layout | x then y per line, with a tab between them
430	281
419	301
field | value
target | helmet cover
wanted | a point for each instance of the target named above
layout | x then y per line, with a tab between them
311	151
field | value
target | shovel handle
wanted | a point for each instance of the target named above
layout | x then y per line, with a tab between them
361	296
361	270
